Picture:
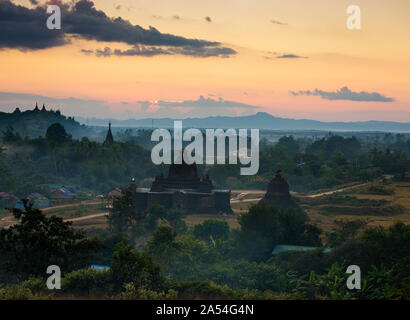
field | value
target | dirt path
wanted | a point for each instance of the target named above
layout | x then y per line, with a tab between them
91	216
245	200
9	220
240	197
335	191
68	205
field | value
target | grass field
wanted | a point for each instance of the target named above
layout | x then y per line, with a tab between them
353	203
377	209
68	211
75	210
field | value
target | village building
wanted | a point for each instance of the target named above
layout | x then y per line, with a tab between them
7	200
406	176
61	195
36	199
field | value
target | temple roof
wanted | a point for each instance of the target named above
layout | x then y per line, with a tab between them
182	176
183	171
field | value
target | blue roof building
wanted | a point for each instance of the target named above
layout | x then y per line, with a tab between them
284	247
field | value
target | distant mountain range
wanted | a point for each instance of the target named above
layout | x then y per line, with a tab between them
260	120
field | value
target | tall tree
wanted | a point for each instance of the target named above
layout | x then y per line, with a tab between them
56	133
36	242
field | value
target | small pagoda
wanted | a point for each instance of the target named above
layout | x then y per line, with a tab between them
278	194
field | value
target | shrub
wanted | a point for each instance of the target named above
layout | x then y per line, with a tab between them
34	284
131	293
15	292
87	280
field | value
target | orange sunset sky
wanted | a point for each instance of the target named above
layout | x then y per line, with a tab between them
278	53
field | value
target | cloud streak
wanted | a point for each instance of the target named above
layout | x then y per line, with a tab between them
277	55
290	56
345	94
151	51
203	102
278	22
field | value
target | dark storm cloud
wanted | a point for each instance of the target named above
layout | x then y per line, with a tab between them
90	23
26	29
345	94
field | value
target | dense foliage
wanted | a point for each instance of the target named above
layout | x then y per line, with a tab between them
36	242
307	164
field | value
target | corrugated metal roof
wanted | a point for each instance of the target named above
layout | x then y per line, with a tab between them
286	247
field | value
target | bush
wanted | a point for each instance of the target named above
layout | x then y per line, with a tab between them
87	280
34	284
15	292
246	275
131	266
131	293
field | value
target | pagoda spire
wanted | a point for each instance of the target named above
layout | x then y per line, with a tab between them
109	140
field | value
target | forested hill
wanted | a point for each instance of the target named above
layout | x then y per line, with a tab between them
34	123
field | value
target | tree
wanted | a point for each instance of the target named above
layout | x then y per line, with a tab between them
124	216
131	266
10	136
164	247
56	133
345	230
265	226
36	242
173	217
289	146
211	229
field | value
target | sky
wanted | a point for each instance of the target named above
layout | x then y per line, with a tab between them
182	58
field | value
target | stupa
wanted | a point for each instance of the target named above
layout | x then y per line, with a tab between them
278	194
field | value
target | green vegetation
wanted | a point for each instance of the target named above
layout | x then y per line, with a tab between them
59	159
190	265
155	255
37	241
307	164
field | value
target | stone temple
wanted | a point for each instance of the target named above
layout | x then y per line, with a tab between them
184	190
278	194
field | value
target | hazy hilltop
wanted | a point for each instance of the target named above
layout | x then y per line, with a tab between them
260	120
34	123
